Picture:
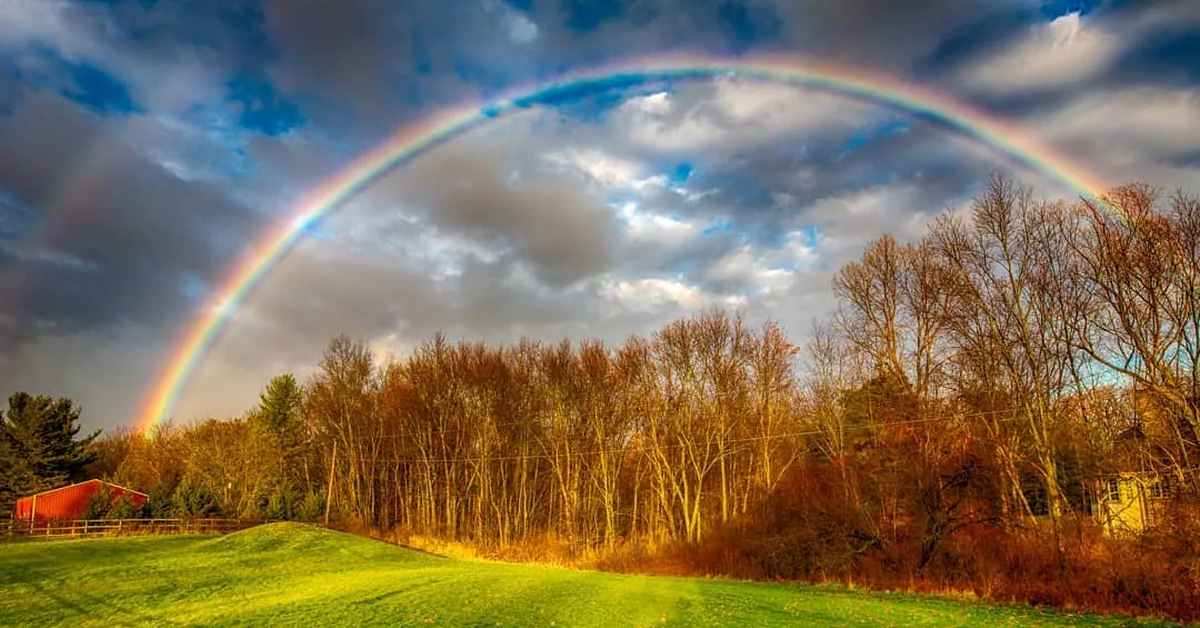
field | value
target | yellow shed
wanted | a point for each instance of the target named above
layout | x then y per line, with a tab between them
1129	503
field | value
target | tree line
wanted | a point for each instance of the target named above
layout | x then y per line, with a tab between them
1037	339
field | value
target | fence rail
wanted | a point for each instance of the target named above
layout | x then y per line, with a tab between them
82	528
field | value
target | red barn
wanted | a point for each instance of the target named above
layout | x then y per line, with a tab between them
70	502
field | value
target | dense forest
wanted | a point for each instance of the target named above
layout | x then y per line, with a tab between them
957	423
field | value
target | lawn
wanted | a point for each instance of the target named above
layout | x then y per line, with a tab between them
290	574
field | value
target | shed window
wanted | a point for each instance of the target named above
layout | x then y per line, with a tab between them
1112	490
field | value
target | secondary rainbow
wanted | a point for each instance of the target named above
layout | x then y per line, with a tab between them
409	142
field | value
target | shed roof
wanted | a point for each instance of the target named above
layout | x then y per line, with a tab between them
102	482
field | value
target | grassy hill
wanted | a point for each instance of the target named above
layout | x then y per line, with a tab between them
290	574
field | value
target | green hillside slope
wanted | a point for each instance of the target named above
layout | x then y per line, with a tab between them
290	574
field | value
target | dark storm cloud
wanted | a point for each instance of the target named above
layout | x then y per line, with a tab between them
368	65
889	33
113	237
313	296
554	226
405	256
1165	46
320	291
351	51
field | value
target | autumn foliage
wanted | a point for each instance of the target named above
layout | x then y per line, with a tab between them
948	429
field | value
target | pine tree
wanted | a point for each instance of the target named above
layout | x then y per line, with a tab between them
40	448
278	414
10	483
279	406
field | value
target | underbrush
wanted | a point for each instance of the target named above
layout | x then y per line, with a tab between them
1077	569
1080	570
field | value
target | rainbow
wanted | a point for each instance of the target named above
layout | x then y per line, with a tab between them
410	142
69	204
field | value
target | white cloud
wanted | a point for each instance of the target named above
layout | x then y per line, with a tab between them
605	169
161	83
1068	50
1128	129
26	21
520	29
752	267
731	113
652	294
800	251
845	223
188	151
388	347
648	227
658	103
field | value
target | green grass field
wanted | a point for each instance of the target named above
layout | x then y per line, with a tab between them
289	574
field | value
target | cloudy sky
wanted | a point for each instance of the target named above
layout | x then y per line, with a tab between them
144	144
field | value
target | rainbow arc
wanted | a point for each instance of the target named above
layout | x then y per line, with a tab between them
1006	139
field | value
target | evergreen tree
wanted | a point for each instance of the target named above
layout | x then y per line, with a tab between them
40	448
122	508
159	504
10	482
278	415
98	505
193	500
279	406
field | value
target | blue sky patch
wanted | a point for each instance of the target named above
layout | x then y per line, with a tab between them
85	83
617	198
681	174
262	109
748	26
194	288
1053	9
1163	56
591	100
719	227
98	90
811	235
588	15
492	77
864	136
422	62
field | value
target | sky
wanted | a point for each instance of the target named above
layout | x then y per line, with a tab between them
145	145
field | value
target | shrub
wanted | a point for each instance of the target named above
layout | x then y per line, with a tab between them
193	500
284	504
98	505
312	508
122	508
159	503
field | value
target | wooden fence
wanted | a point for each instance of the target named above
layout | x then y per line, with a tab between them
81	528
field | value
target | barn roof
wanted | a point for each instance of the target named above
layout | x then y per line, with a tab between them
63	488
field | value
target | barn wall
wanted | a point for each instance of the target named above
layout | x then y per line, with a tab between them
68	502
